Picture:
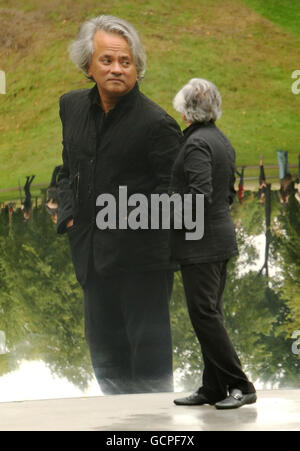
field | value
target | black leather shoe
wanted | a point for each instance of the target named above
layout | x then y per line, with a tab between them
195	399
236	399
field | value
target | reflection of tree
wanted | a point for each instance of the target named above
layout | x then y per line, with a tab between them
287	251
251	214
187	355
268	234
247	315
261	312
256	315
40	300
279	365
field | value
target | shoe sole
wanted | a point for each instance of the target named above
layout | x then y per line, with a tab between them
190	404
251	398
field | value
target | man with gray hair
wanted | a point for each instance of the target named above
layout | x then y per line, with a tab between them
114	136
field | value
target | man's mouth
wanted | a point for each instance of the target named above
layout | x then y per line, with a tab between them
116	79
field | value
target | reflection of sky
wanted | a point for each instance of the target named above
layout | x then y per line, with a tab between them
259	242
33	380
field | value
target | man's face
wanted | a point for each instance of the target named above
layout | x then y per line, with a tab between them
112	65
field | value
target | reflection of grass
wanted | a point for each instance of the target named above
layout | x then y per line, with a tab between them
245	55
14	196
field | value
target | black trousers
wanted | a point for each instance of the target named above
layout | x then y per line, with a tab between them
204	284
127	327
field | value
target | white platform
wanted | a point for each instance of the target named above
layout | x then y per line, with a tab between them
275	410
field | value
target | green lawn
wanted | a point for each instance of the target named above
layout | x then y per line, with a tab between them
249	54
286	13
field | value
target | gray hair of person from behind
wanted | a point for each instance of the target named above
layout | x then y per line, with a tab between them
82	48
199	101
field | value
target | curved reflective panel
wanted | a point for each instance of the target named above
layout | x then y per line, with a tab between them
43	353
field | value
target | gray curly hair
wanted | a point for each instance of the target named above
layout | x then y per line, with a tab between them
199	101
82	48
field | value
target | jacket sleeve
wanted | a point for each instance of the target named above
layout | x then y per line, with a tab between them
198	169
164	148
65	193
198	176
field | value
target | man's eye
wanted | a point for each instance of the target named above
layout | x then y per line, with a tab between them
106	60
126	63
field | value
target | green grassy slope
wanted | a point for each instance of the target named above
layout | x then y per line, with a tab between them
286	13
247	56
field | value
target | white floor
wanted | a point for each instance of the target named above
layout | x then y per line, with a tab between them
275	410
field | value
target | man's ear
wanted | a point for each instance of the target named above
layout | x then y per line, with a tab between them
184	118
89	71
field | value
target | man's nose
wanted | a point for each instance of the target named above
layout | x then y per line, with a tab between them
116	67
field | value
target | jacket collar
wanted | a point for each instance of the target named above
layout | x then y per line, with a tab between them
124	102
195	125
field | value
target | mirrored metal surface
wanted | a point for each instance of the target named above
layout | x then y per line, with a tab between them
43	353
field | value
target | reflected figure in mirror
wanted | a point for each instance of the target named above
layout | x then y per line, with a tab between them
262	182
286	180
52	200
241	190
26	204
